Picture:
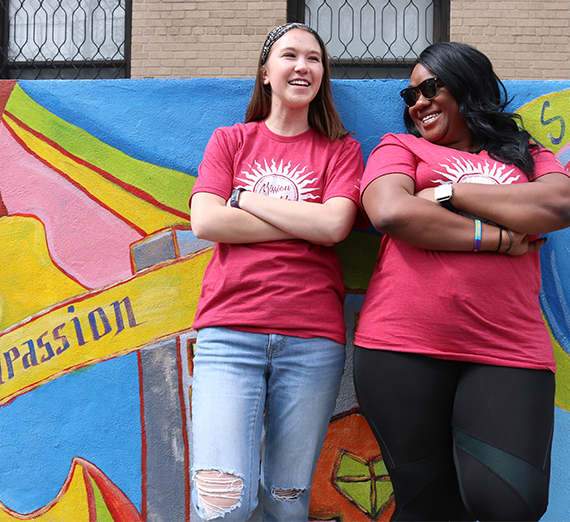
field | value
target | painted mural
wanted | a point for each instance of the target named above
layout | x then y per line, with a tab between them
100	279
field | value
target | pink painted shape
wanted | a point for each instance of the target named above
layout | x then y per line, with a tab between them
86	241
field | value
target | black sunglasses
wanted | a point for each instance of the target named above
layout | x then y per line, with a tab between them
428	88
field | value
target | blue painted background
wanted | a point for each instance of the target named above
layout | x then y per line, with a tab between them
168	123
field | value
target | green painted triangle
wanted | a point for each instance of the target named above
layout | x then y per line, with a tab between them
359	493
384	490
379	468
103	513
350	467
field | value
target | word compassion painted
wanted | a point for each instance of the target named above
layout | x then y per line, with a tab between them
66	335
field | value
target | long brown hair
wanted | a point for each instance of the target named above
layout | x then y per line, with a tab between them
323	116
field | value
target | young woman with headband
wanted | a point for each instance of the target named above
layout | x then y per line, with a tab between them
274	194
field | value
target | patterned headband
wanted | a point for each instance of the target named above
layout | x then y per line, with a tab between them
279	31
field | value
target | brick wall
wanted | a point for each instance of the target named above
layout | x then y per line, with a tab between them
187	39
525	39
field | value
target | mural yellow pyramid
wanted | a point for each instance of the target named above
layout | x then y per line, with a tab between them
30	281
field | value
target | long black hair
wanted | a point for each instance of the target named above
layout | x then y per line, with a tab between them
481	99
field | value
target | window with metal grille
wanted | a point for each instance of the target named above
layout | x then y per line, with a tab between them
374	38
66	39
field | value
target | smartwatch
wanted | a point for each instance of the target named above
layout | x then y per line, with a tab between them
443	195
234	198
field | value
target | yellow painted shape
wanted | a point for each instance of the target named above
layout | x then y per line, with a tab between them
562	398
546	117
357	254
135	210
71	505
30	281
162	302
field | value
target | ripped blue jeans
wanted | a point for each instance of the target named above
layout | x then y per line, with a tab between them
246	384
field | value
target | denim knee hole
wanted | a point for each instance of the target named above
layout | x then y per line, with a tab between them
285	494
218	492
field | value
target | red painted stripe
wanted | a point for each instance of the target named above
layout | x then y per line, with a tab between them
144	511
6	88
90	496
182	394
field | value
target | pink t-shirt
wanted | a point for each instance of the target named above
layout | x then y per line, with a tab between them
478	307
288	287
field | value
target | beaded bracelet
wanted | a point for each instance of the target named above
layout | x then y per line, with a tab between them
511	238
477	245
500	240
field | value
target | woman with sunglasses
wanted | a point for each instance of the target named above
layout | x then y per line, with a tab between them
454	367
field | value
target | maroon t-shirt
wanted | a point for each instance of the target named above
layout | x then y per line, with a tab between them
480	307
288	287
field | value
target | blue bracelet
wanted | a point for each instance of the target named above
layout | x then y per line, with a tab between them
477	235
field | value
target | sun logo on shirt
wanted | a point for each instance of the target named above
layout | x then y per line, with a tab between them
465	171
279	181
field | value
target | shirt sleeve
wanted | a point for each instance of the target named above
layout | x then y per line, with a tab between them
545	162
391	156
345	173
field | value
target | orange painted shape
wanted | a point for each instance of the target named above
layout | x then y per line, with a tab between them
348	433
118	504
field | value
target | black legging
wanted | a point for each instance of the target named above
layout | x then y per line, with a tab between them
461	441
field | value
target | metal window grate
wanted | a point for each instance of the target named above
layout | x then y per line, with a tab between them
64	39
374	38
